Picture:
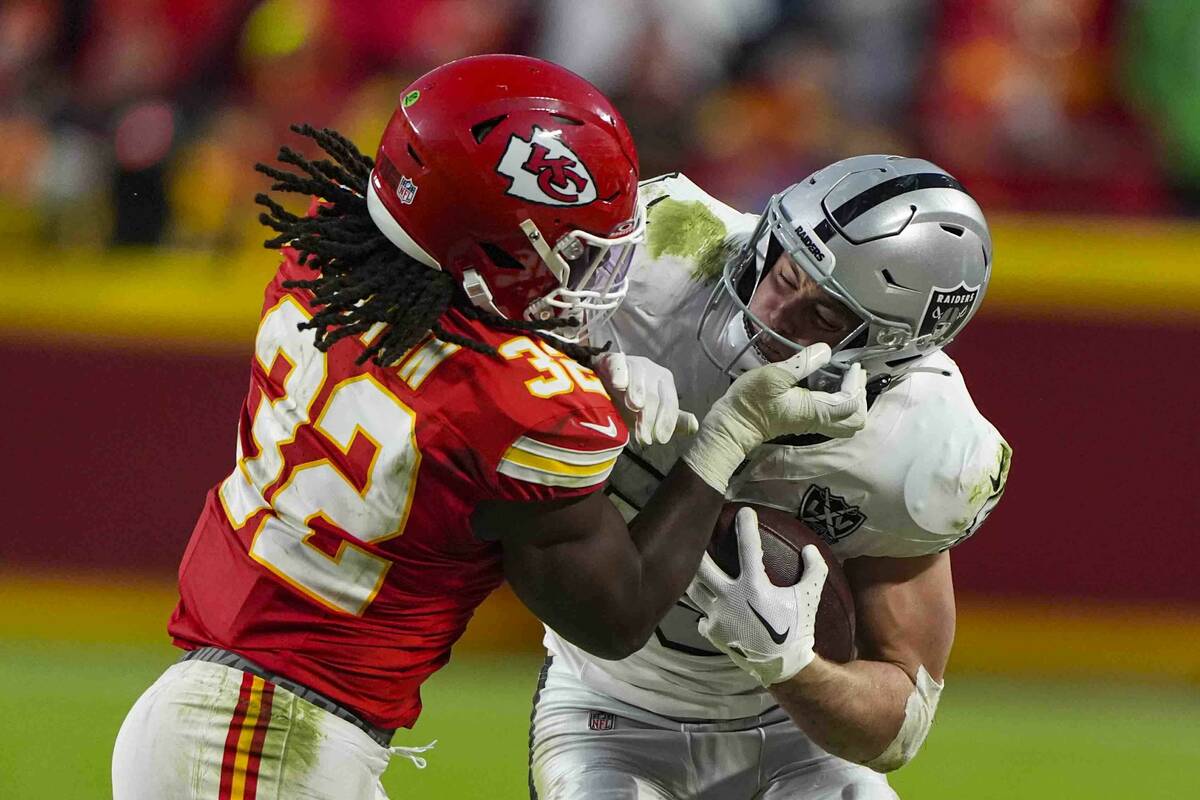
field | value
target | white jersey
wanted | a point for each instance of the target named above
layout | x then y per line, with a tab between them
921	475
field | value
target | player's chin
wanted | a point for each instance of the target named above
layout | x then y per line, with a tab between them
774	353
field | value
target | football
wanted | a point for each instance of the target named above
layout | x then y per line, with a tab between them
783	537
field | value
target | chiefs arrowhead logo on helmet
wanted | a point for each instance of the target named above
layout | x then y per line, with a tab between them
544	170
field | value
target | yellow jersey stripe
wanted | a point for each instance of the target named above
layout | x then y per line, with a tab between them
533	447
514	470
555	466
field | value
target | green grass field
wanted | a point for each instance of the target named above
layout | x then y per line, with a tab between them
62	704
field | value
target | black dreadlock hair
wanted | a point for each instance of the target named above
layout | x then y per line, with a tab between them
363	279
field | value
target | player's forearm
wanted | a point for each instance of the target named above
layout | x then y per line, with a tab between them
670	534
851	710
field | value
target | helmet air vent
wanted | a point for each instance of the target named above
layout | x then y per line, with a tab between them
499	257
480	130
954	229
893	283
415	157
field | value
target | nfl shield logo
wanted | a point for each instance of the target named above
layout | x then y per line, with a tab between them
406	191
601	721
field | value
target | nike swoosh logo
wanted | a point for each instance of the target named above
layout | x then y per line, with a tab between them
776	637
608	430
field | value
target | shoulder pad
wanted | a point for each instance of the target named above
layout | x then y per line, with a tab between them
959	473
551	422
953	486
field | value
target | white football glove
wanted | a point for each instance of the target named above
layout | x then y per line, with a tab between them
768	630
766	402
645	395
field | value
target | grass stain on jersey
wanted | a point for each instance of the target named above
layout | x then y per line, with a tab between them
993	483
686	230
991	486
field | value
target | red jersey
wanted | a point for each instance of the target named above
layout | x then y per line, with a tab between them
339	552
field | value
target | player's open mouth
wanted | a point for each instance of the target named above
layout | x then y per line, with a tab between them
765	346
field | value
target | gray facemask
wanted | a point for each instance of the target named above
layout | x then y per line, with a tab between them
733	345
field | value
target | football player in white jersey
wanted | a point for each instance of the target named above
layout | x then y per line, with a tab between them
876	261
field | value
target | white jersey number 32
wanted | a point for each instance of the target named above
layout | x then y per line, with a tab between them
316	494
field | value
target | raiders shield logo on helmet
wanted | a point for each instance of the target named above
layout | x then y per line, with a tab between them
542	169
947	309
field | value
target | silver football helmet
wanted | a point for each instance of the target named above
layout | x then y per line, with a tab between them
897	240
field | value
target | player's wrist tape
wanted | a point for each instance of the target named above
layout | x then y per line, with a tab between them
717	452
767	402
918	718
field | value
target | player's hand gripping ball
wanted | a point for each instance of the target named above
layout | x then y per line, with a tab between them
772	594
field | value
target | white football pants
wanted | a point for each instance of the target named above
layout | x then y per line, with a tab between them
205	731
587	746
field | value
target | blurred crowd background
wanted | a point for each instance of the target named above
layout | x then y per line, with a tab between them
137	121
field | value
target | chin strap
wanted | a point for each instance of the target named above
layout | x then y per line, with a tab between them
478	292
935	370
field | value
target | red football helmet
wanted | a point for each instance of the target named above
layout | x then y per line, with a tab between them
517	177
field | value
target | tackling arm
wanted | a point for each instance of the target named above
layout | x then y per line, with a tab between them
604	586
876	710
600	585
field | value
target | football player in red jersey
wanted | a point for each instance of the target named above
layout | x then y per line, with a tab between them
420	426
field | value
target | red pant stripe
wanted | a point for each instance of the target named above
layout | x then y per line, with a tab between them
231	738
256	744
